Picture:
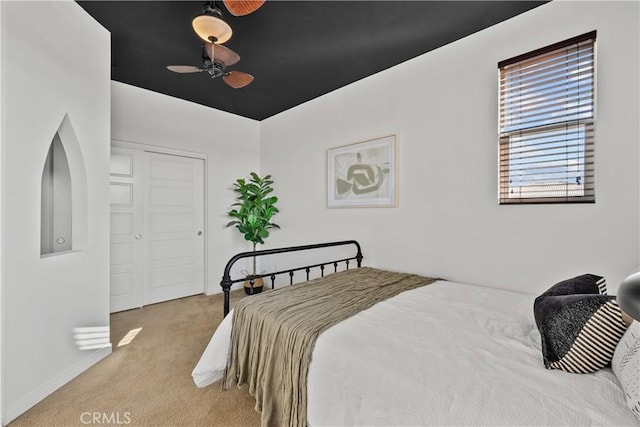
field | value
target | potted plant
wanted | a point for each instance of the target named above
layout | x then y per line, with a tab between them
252	215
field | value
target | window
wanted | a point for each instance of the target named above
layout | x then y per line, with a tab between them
547	124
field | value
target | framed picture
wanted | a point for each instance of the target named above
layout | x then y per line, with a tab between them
364	174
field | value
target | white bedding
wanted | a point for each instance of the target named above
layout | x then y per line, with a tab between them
444	354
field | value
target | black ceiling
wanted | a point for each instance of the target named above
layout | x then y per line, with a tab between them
296	50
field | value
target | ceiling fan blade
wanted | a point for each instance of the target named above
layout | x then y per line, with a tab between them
184	69
242	7
237	79
221	53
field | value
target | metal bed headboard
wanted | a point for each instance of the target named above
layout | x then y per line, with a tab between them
227	281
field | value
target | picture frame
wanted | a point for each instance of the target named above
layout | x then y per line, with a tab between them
363	174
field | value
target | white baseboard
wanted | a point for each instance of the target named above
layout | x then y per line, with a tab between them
15	409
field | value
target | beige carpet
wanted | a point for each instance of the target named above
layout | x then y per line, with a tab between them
148	382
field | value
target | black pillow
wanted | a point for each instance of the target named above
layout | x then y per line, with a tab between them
579	324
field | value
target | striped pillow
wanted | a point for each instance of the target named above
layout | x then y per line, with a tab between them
579	324
626	366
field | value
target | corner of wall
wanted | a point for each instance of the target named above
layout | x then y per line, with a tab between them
44	298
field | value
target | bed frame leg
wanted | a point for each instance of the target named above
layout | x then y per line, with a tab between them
226	286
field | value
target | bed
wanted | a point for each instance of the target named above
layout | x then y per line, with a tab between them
445	353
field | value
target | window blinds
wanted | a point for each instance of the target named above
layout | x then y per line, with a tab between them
547	124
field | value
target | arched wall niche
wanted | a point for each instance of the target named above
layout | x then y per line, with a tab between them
63	194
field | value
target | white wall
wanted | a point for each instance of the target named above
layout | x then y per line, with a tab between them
230	143
443	106
47	73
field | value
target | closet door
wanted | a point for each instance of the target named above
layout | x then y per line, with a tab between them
127	225
174	236
157	227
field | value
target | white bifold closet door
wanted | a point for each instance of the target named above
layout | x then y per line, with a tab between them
157	227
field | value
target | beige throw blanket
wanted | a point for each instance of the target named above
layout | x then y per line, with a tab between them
274	334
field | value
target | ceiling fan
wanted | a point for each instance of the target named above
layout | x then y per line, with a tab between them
215	60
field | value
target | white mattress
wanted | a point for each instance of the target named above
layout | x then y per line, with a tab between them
443	354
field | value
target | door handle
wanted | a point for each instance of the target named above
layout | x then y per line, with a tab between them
60	240
199	232
138	236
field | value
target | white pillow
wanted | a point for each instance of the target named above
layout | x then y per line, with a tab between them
626	366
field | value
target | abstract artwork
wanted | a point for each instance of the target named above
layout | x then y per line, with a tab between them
363	174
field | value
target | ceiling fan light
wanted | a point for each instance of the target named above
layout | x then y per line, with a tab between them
211	28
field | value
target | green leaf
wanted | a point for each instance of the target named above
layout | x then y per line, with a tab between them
253	189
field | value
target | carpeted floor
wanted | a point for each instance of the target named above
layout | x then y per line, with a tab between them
148	381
